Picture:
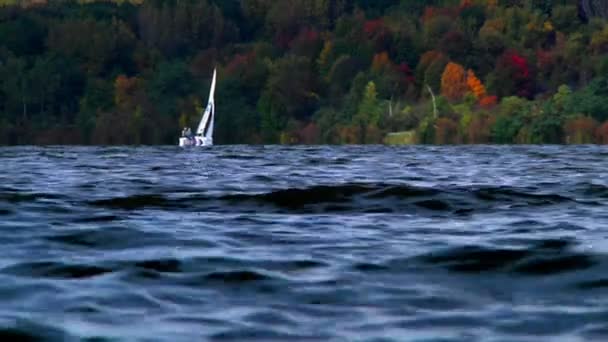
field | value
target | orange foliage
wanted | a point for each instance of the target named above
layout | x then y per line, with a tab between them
475	85
580	130
601	134
453	82
381	61
488	101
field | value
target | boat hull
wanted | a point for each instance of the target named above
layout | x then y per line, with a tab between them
195	142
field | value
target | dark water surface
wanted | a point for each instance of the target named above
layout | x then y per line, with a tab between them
304	243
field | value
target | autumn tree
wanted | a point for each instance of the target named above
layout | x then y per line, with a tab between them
475	85
453	82
513	76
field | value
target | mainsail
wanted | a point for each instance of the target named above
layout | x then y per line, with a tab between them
205	127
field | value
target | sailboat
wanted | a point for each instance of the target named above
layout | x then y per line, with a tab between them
204	131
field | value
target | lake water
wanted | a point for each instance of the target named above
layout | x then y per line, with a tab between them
464	243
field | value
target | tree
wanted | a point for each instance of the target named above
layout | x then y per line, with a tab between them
446	131
290	88
475	85
15	86
453	82
432	74
580	130
601	134
512	76
368	116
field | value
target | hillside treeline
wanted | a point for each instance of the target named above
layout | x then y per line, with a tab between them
305	71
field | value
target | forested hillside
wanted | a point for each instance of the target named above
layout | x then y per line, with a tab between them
305	71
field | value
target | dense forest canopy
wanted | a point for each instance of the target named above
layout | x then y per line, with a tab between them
305	71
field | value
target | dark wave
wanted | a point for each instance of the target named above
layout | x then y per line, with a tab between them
135	202
236	277
108	238
547	257
97	219
50	269
17	197
368	198
595	190
593	284
29	331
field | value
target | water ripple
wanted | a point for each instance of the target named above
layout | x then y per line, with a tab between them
269	243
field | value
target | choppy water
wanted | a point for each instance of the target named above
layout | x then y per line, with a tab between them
304	243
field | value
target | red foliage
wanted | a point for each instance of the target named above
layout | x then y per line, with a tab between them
514	74
488	102
371	27
521	65
407	75
466	3
378	33
306	37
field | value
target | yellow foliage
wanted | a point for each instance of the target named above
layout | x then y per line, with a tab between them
325	54
599	40
495	25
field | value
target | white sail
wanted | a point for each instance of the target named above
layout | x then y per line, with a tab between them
205	127
204	131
